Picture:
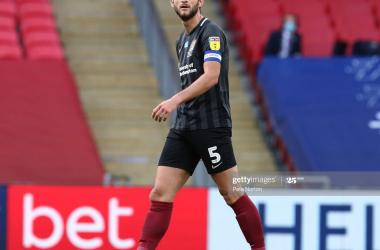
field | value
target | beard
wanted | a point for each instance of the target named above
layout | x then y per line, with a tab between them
187	17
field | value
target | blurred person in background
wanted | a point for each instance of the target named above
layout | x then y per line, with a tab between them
286	42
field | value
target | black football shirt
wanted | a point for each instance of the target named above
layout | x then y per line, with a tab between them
206	42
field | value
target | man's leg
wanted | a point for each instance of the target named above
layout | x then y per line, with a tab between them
246	212
168	182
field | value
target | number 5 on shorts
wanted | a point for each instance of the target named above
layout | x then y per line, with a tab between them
214	154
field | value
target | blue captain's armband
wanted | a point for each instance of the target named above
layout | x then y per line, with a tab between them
213	55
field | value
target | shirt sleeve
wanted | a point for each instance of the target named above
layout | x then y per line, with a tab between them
213	43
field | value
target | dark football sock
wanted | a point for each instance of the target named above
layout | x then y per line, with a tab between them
249	221
156	224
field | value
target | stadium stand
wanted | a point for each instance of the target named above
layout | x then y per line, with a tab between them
7	9
33	17
8	38
325	121
323	23
117	86
41	38
44	135
7	24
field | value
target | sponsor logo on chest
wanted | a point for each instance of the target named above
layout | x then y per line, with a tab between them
192	46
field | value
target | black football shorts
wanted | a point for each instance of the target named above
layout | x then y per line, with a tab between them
184	148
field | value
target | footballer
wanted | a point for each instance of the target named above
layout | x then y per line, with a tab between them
202	128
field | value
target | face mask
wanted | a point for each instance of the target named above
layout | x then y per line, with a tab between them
290	26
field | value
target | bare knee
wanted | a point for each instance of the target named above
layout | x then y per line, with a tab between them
230	199
159	194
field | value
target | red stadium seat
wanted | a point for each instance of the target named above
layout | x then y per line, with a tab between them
10	52
363	8
342	2
261	23
8	38
314	23
318	43
7	9
355	20
238	9
354	35
36	11
284	2
241	8
7	24
257	8
38	25
46	53
21	2
33	39
356	27
376	5
257	48
246	24
252	27
305	8
256	32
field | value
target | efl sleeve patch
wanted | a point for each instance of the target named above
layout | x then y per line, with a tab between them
212	55
214	43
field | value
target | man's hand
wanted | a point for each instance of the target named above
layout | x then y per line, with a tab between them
200	86
162	111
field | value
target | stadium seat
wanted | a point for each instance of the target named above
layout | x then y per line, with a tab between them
36	11
8	38
376	6
257	8
256	33
21	2
45	53
257	47
353	35
7	24
305	8
320	22
318	43
7	9
10	52
38	25
342	2
356	27
363	8
33	39
250	24
238	9
354	20
287	2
